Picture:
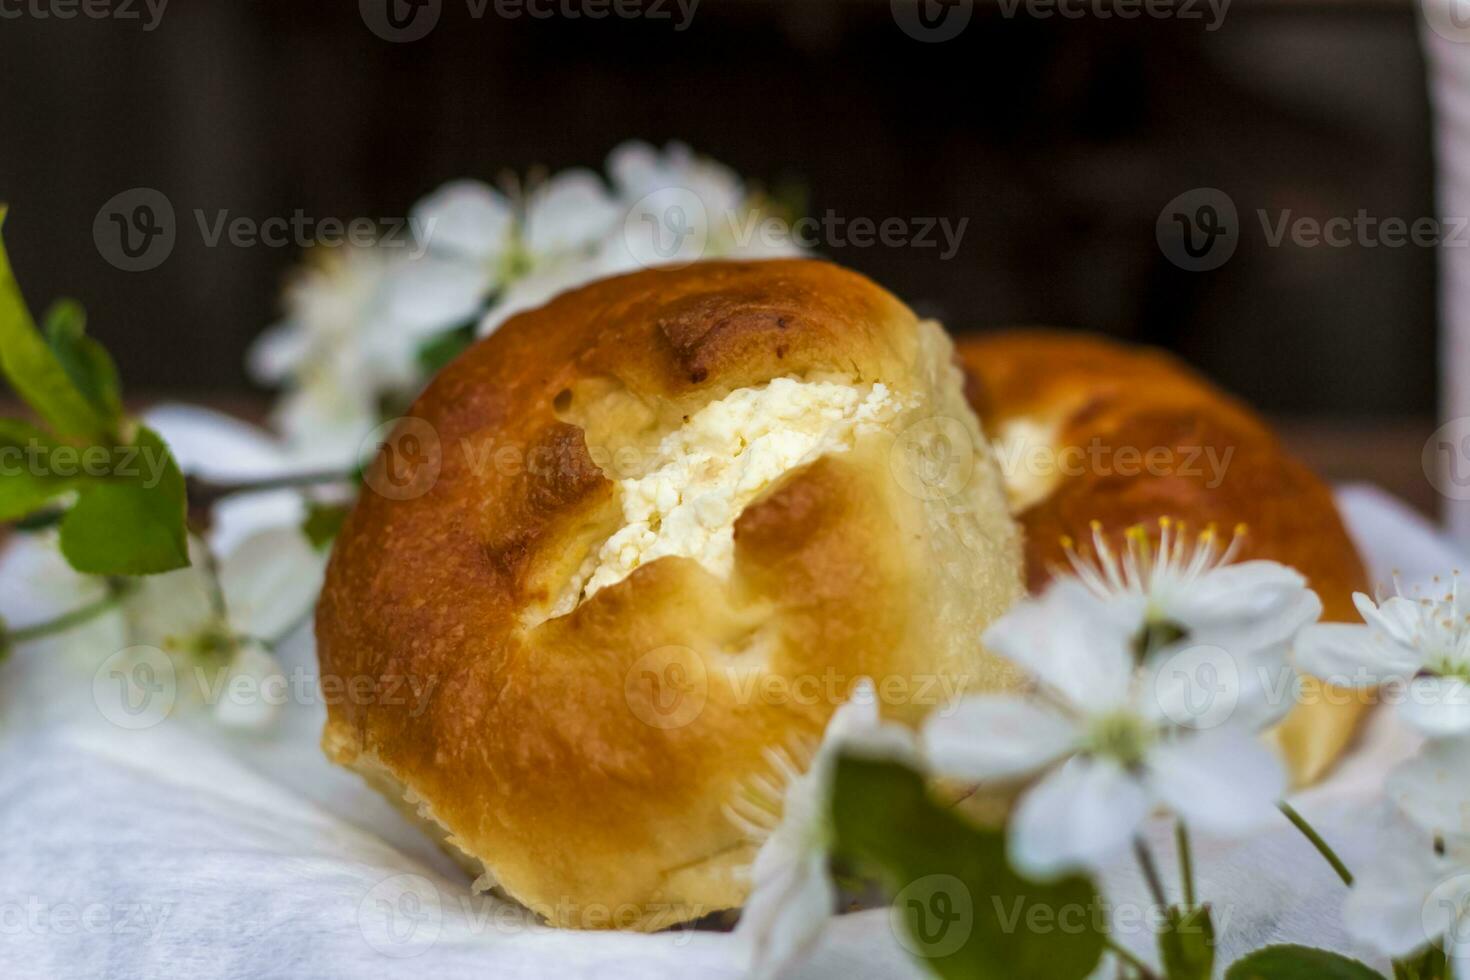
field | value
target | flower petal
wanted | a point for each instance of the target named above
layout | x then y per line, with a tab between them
1392	904
37	584
1349	655
990	736
464	217
634	167
327	423
434	292
1396	616
270	582
785	913
570	211
1069	640
1203	686
278	352
1223	780
1438	706
857	727
209	443
1076	818
250	697
168	611
1245	605
1433	788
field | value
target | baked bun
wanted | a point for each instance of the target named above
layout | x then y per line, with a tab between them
1087	429
656	530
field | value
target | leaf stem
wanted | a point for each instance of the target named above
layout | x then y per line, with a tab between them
72	618
1310	833
1150	872
1139	966
1186	862
205	492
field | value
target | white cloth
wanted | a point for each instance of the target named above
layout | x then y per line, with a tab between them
183	850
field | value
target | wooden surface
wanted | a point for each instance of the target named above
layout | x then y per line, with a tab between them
1382	452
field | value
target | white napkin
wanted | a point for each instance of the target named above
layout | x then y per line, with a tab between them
184	850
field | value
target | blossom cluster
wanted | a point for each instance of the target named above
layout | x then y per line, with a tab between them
359	319
1111	730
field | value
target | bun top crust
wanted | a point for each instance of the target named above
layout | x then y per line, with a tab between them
586	748
1075	419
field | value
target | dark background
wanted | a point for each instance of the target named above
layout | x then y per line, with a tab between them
1060	140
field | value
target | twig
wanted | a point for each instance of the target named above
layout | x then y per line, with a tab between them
1310	833
1150	872
1186	862
205	493
116	589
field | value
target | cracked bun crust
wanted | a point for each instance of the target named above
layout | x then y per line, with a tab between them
628	554
1089	429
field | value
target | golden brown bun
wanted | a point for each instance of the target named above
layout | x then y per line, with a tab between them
1214	461
585	760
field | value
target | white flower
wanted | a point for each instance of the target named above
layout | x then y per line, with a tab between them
357	318
1415	891
1433	788
681	207
339	353
539	287
1416	888
1196	588
225	624
1123	736
639	169
1419	643
792	894
478	246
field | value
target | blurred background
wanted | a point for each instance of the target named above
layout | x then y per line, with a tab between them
1061	141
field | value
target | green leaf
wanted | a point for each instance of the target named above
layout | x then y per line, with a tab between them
963	911
440	349
1431	964
323	523
1187	943
1298	963
85	361
133	522
28	481
33	368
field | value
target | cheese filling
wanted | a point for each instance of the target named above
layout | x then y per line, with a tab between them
706	472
